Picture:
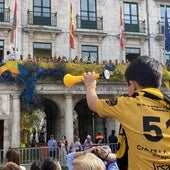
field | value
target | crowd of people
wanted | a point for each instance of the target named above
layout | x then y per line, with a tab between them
97	155
60	150
13	162
110	65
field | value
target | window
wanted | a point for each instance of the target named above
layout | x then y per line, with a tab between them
42	49
131	20
88	14
132	53
89	52
42	12
1	10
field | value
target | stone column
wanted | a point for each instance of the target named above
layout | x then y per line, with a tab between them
69	119
15	135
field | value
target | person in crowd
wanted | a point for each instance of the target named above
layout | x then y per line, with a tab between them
29	57
76	59
52	145
76	145
99	138
50	164
143	113
63	144
87	159
110	66
88	60
105	153
113	139
11	166
13	155
34	138
88	142
41	139
36	165
11	55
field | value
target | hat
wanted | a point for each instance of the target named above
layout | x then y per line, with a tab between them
106	147
88	137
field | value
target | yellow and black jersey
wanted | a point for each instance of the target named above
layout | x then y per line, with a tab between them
145	118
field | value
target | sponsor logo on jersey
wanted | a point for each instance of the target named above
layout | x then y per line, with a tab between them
161	167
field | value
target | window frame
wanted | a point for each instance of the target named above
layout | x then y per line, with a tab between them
85	53
40	17
131	20
2	10
88	16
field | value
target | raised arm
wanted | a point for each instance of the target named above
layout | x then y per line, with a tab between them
90	87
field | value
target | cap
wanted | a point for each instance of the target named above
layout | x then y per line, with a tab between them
88	137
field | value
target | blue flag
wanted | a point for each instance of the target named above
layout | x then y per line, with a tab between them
167	33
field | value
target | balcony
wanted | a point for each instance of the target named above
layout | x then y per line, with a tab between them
41	22
91	23
92	26
5	18
160	35
135	30
45	18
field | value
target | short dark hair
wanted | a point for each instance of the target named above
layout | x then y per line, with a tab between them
146	71
50	164
36	165
113	132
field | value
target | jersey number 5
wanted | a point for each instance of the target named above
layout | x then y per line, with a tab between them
148	126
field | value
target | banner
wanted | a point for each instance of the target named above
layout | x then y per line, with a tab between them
71	28
121	30
167	33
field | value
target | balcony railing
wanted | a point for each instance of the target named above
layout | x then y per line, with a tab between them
92	23
4	14
134	26
160	27
39	18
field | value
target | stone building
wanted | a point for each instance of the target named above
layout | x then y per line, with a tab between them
43	31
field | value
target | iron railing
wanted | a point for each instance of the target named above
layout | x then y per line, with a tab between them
29	155
160	27
89	23
134	26
4	14
39	18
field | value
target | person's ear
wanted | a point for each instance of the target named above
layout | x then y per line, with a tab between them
133	85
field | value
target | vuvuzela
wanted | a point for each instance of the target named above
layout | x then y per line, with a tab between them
69	80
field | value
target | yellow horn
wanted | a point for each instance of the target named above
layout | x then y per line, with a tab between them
69	80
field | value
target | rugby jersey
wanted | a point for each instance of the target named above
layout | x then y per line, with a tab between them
146	121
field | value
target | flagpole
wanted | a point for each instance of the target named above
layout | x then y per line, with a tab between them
15	40
15	45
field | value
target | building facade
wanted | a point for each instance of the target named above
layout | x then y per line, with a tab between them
43	30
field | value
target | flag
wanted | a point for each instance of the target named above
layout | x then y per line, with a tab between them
167	33
121	30
71	28
14	24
